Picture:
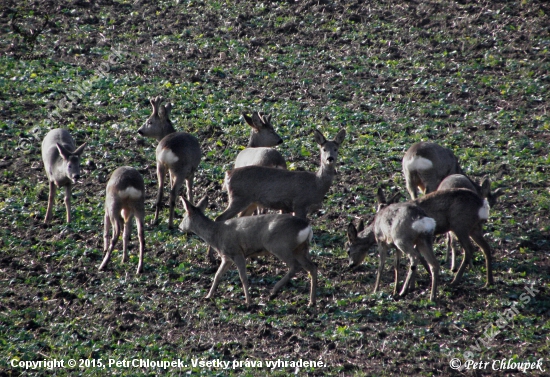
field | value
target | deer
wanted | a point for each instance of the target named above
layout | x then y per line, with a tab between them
61	160
124	200
483	191
178	153
425	165
403	226
463	212
285	236
259	151
300	192
262	138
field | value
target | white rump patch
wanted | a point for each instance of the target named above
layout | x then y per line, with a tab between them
483	212
167	156
424	225
125	214
130	192
419	163
304	234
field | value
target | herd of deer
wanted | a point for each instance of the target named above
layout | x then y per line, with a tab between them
452	203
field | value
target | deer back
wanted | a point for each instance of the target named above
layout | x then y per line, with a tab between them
426	164
179	150
454	209
125	192
462	181
262	138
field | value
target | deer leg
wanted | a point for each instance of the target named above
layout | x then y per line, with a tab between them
411	187
477	236
161	174
396	270
176	183
224	266
249	211
413	255
126	238
468	247
116	233
51	201
106	228
189	185
426	250
241	266
291	272
68	201
235	206
382	253
141	237
303	257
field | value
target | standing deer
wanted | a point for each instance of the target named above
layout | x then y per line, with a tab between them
62	162
425	165
463	212
483	191
285	236
259	151
178	153
124	200
300	192
403	225
262	138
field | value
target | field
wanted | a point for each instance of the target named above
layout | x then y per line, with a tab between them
472	76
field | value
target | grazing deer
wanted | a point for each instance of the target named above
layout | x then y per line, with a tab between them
177	152
285	236
483	191
62	162
258	151
403	225
425	165
463	212
291	191
124	200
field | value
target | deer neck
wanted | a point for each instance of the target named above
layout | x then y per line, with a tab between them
167	129
326	173
207	229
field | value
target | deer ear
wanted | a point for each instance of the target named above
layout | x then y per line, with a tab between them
395	198
167	109
203	203
380	196
267	120
65	154
248	120
498	192
319	138
361	226
352	233
78	151
340	136
186	204
485	188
